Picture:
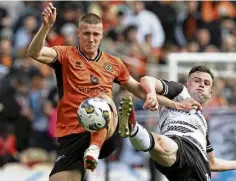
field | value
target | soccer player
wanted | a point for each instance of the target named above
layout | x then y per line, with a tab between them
182	150
84	71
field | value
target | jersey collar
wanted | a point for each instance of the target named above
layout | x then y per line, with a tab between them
87	59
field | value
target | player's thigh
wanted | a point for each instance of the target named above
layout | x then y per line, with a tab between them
164	151
112	125
66	176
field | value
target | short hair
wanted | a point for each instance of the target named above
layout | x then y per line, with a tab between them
90	18
201	68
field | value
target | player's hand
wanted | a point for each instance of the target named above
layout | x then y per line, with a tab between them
49	15
151	102
188	104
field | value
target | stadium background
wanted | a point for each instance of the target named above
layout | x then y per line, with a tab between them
28	95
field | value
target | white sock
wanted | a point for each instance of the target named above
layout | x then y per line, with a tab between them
141	139
134	129
92	150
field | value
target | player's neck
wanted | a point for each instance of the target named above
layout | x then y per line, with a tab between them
89	56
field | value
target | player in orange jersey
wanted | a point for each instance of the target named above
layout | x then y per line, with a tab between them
83	71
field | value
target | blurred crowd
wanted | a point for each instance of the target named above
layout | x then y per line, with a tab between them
140	33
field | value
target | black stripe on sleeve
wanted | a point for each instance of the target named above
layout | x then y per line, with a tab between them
171	89
209	147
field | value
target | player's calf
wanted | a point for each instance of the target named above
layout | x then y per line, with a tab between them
92	153
161	148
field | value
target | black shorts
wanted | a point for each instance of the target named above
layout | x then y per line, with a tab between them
190	164
72	147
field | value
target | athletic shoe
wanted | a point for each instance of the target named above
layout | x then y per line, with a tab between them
91	157
127	119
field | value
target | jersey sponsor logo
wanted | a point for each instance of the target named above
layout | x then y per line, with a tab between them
184	123
108	67
178	129
94	80
178	111
90	90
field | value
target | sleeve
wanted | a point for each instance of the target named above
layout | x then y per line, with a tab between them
171	89
53	96
61	52
209	147
123	75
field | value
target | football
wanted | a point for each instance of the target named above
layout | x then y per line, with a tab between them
93	114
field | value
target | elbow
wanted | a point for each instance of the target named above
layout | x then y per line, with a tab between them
143	80
214	167
146	82
31	54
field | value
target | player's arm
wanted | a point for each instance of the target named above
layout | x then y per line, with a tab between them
36	50
134	86
151	101
218	165
157	87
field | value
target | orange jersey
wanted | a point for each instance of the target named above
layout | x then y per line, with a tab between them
78	79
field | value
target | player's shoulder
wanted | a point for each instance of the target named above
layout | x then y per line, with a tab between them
111	58
65	47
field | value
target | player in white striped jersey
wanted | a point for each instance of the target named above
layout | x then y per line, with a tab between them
182	151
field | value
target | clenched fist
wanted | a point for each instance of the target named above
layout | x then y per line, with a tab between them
151	102
49	15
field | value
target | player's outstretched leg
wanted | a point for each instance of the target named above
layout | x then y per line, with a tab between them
128	127
92	153
161	148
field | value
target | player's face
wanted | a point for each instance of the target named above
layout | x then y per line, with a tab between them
199	86
90	36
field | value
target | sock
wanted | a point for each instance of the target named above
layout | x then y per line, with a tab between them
134	130
141	139
98	138
94	151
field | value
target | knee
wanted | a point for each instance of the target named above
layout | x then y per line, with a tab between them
57	177
164	151
164	144
159	143
54	178
66	176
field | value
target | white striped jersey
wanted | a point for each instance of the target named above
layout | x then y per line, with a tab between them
189	125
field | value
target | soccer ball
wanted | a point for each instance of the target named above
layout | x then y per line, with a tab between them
93	114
